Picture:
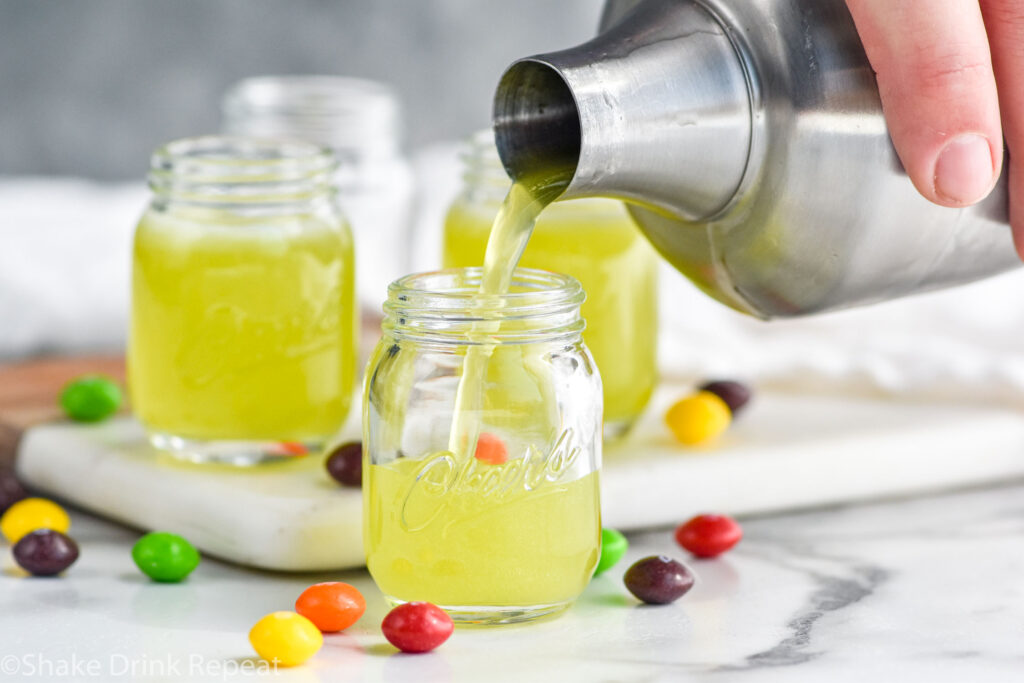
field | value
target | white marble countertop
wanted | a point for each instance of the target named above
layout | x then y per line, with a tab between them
924	590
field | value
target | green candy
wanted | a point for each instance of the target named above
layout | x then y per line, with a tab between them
90	398
165	557
613	547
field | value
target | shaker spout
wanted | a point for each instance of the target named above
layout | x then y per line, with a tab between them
587	115
536	122
749	139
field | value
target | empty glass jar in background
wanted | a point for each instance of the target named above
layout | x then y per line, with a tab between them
595	241
360	120
242	346
509	529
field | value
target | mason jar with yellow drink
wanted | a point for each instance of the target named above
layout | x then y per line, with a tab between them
243	335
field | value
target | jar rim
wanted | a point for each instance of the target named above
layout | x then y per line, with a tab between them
225	168
446	304
351	115
227	157
327	94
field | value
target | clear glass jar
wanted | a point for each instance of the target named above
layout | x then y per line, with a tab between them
360	121
514	532
595	241
242	345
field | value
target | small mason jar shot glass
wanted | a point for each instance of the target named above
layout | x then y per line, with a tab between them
482	447
242	347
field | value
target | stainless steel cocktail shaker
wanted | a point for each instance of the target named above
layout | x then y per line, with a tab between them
749	138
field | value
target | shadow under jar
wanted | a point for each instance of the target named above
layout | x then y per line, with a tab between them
482	447
242	346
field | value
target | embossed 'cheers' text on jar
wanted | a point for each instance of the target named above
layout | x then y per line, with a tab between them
482	446
243	333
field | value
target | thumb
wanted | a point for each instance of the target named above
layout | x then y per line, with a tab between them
938	91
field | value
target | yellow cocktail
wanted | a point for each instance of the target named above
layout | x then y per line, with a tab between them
462	544
595	241
243	327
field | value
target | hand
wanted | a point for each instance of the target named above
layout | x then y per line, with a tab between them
946	70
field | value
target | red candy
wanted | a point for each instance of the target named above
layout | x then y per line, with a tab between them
491	449
709	535
417	627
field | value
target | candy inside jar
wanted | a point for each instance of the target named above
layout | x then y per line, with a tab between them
505	525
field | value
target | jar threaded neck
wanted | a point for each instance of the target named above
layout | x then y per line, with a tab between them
445	306
356	118
217	170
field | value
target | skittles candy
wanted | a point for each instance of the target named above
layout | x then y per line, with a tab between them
165	557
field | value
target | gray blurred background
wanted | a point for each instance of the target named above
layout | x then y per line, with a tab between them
90	87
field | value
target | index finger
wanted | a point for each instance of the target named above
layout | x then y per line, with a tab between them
938	91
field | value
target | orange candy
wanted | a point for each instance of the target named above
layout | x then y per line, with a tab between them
332	606
291	448
491	450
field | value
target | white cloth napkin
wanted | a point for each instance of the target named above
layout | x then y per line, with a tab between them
65	252
64	286
965	343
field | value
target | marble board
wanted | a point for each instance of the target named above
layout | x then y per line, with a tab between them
787	452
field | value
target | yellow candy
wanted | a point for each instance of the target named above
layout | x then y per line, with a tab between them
699	418
30	514
285	638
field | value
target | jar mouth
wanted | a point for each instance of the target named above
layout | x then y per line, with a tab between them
351	115
446	305
241	169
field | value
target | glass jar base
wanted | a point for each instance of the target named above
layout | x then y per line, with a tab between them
230	452
492	615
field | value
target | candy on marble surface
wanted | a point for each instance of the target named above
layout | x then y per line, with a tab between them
30	514
658	580
417	627
698	419
735	394
11	490
613	547
345	464
90	398
709	535
285	638
332	606
45	552
165	557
